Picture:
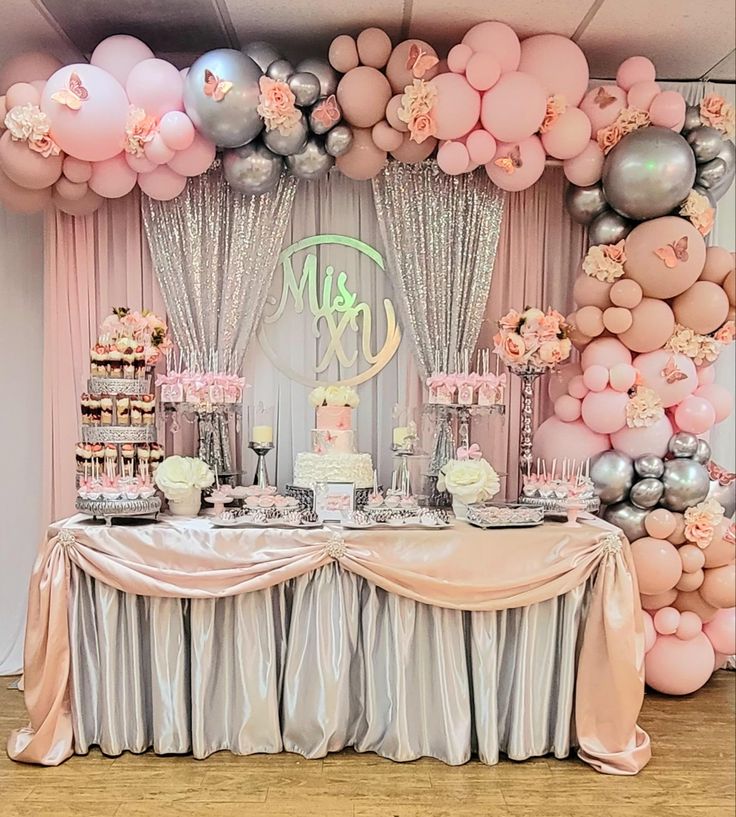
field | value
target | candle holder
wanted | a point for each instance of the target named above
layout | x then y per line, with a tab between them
528	376
261	449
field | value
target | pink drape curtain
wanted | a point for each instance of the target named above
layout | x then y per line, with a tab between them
539	255
92	264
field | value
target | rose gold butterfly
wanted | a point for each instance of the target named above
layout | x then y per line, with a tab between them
674	252
603	99
74	95
214	86
671	373
419	61
327	112
511	162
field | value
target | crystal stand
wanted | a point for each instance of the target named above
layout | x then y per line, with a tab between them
261	449
528	376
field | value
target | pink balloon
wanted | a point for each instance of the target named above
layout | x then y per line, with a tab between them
21	93
693	601
585	168
139	163
97	130
622	377
567	408
156	86
635	442
689	626
657	564
399	67
691	581
577	388
363	160
385	137
666	620
363	94
113	178
27	67
343	54
162	183
458	58
677	667
514	108
184	72
660	524
392	115
76	170
514	178
559	378
71	191
641	94
85	206
589	291
453	158
20	199
602	105
557	439
195	159
633	70
176	130
374	47
722	549
482	71
660	367
119	54
569	136
626	293
719	586
25	167
457	107
667	109
157	152
481	146
595	377
719	397
606	352
703	307
605	411
650	634
658	600
617	320
652	325
558	63
412	152
721	631
718	263
694	414
692	558
706	374
497	39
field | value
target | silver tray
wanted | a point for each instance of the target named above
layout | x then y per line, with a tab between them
242	522
558	507
119	434
109	509
305	496
504	515
118	385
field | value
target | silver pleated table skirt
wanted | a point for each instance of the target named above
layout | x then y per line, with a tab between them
317	664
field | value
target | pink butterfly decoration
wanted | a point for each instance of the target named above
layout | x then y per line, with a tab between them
674	252
73	95
603	99
419	61
671	373
327	112
511	162
214	86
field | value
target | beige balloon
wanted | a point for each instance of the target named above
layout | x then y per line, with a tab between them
718	263
652	325
589	291
703	307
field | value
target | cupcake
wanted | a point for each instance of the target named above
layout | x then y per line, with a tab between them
393	501
266	501
252	501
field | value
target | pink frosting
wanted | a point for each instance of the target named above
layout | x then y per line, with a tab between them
335	418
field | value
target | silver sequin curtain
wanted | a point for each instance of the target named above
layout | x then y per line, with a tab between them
214	251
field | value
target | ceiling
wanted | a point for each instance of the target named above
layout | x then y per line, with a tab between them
685	39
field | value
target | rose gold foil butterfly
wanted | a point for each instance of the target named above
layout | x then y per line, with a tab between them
674	252
671	373
74	95
214	86
603	99
419	61
327	112
511	162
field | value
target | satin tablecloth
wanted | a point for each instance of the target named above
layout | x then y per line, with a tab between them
461	568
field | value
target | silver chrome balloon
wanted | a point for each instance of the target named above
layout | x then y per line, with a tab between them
646	493
232	120
648	173
627	517
613	474
317	125
305	87
339	140
705	143
728	154
702	452
312	163
609	228
280	70
649	465
725	495
692	118
686	483
262	53
683	444
284	144
710	173
707	193
324	72
585	203
252	168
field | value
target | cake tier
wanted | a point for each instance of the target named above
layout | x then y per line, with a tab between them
312	468
326	441
334	418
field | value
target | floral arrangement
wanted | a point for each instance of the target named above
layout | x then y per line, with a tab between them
334	396
145	328
277	105
28	123
644	408
701	521
415	110
701	348
533	337
139	130
628	120
556	106
719	114
178	476
697	209
605	261
469	478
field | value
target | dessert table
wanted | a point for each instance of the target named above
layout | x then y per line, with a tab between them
185	637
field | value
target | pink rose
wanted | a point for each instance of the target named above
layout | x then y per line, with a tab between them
510	320
513	348
727	333
615	252
700	531
422	127
609	137
550	352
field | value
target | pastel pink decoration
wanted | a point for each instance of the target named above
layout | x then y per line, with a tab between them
658	566
557	439
606	352
343	54
119	54
569	135
27	67
616	319
595	377
392	117
703	307
641	94
457	108
576	387
453	158
633	70
666	620
692	558
374	47
402	67
385	137
667	109
589	291
84	206
482	71
677	667
412	152
626	293
706	375
195	159
622	377
71	191
514	108
458	58
176	130
559	378
481	146
635	442
21	93
658	600
696	415
671	375
139	163
156	151
162	184
718	263
184	72
689	626
660	523
605	411
690	582
517	165
363	94
586	167
25	167
20	199
558	63
651	327
650	634
96	130
156	86
721	631
602	105
363	160
692	600
568	408
113	178
719	586
76	170
719	397
497	39
334	418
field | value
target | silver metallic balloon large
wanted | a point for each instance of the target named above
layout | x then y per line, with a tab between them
686	483
324	72
649	173
252	168
646	493
707	193
305	87
613	474
233	120
609	228
725	495
710	173
692	118
284	144
339	140
627	517
728	154
317	125
705	143
585	203
702	452
262	53
649	465
683	444
312	163
280	70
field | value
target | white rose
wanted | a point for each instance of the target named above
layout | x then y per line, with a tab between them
469	480
317	396
176	476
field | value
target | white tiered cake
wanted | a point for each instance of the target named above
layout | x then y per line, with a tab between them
333	457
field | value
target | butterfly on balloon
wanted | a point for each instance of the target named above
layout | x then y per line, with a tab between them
327	112
419	61
671	373
215	87
511	162
603	99
73	95
673	253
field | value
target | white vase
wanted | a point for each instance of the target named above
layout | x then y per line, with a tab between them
189	505
460	509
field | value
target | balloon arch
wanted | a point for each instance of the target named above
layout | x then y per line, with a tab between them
655	304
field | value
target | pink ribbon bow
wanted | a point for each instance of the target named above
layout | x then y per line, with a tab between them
472	452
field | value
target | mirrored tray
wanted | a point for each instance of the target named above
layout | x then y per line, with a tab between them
504	515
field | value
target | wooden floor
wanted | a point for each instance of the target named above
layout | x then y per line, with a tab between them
692	774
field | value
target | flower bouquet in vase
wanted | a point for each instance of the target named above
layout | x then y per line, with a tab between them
182	479
469	478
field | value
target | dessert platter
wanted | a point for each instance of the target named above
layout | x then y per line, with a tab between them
557	494
259	507
426	518
502	515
